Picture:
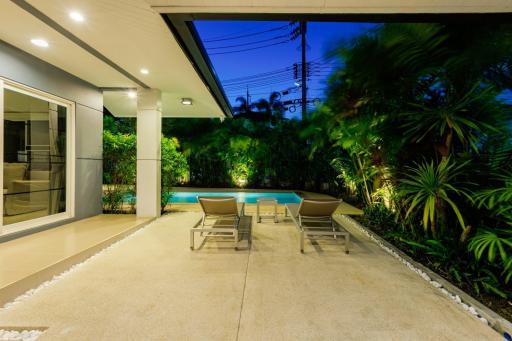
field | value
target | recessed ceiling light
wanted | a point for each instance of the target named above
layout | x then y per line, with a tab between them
186	101
76	16
39	42
132	94
144	71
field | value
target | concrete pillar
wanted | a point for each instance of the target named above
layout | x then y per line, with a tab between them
149	130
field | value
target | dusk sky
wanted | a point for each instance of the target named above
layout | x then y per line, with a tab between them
273	65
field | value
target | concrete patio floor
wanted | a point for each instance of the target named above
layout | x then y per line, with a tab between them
150	286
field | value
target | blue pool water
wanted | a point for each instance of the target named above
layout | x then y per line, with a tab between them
247	197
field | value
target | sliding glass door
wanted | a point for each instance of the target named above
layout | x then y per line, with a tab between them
36	165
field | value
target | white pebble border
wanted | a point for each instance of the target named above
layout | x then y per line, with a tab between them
32	335
455	298
24	335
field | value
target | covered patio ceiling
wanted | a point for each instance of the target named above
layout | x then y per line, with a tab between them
120	38
109	48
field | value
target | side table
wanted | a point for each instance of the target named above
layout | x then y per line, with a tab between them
266	202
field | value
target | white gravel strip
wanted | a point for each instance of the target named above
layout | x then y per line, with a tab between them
25	335
455	298
28	294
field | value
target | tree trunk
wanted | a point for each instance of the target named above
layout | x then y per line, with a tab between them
433	227
465	233
446	148
367	191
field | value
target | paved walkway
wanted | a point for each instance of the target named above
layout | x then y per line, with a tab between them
152	287
28	261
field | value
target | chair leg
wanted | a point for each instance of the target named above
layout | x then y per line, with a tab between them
203	222
302	241
191	239
347	243
235	236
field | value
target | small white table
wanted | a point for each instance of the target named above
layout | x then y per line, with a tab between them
266	202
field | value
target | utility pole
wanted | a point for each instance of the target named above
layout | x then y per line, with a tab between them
303	28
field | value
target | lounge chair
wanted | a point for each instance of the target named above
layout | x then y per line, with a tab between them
224	213
313	218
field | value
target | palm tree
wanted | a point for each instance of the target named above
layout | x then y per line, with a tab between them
432	188
243	109
263	110
456	118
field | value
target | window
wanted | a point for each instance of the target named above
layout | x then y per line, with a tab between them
36	158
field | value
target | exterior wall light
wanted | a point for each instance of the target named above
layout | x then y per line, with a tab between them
186	101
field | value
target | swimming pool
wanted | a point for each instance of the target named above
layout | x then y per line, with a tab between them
247	197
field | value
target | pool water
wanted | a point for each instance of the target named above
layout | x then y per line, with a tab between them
247	197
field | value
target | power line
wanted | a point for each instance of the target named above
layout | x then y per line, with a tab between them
264	75
271	81
273	72
262	85
254	94
237	32
247	35
323	58
254	48
256	77
286	75
257	74
249	43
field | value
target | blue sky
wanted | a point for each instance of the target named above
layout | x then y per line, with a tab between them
275	61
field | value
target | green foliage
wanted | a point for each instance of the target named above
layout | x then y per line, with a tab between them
455	116
499	199
430	188
240	159
165	198
379	217
245	152
446	258
497	242
174	169
113	198
491	245
415	120
439	253
119	169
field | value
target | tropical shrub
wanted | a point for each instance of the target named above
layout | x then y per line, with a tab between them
379	218
418	119
174	169
495	246
119	169
430	189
